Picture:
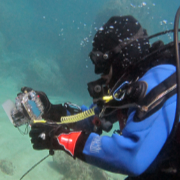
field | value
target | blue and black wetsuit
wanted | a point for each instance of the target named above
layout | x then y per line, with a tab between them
133	152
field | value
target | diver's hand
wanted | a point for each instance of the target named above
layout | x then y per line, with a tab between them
56	137
43	97
43	136
51	112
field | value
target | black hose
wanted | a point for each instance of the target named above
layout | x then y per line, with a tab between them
161	33
176	24
176	45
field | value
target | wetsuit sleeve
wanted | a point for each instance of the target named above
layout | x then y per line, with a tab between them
140	142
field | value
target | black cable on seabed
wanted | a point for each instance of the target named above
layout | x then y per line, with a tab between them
34	166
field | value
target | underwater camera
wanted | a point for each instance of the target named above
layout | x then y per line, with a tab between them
27	107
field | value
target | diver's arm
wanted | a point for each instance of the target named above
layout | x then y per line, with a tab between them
138	146
130	153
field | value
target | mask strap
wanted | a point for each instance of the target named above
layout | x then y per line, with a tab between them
138	35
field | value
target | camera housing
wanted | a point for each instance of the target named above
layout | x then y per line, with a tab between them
28	106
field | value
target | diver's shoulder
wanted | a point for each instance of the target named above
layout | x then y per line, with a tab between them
157	74
160	72
164	67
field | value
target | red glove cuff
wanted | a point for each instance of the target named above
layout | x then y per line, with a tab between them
68	141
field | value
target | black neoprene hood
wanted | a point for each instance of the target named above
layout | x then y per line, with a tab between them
121	39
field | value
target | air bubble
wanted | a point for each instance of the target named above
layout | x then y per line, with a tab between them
143	3
132	5
164	21
101	28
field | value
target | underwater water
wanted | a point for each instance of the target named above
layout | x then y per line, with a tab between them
45	45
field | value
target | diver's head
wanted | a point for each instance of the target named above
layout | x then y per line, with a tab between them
119	43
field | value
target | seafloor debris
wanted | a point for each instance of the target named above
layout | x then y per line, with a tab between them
7	167
75	169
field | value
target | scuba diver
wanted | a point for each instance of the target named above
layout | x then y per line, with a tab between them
137	88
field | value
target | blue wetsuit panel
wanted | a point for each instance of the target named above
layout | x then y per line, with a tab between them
138	146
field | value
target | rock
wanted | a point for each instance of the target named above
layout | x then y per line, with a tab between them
7	167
